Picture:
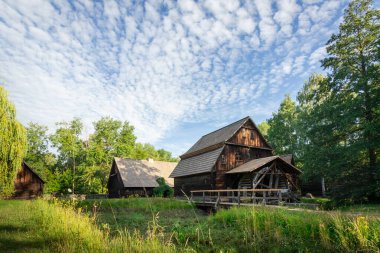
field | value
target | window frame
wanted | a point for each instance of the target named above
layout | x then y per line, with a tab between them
252	135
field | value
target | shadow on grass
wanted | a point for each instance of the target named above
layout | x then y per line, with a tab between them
14	238
24	245
12	228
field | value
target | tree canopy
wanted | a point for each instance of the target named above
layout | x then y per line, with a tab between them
72	163
12	144
334	130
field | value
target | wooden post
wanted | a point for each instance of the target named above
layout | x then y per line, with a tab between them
238	198
323	187
191	196
277	180
264	197
204	197
279	197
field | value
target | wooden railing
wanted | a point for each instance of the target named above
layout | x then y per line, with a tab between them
239	196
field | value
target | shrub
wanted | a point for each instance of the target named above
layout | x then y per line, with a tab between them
163	190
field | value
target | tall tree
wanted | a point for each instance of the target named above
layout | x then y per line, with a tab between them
110	139
353	61
39	156
145	151
12	144
66	140
282	128
314	125
264	128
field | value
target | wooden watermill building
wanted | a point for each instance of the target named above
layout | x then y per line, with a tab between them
236	156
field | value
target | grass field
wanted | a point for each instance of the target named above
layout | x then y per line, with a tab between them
164	225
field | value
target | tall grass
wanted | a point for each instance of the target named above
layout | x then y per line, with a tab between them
41	226
279	230
52	227
155	204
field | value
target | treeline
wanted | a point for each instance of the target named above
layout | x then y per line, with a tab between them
333	128
70	163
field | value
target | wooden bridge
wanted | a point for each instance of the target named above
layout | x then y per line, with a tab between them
246	197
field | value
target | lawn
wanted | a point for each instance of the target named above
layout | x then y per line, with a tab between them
164	225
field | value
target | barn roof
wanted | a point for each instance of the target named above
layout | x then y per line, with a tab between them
143	173
261	162
218	136
197	164
26	166
288	158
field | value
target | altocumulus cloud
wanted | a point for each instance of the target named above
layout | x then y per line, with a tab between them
159	63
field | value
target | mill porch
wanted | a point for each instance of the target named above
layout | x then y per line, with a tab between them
269	180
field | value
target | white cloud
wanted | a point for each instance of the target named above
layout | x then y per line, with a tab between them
156	64
287	11
317	56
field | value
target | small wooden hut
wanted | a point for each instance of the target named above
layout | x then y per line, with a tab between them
28	183
137	177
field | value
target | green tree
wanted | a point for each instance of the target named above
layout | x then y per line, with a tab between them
70	147
110	139
145	151
282	128
264	128
313	129
354	81
39	156
12	144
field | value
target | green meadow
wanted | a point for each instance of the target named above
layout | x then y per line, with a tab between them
167	225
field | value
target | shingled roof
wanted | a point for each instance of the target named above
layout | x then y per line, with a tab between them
288	158
219	136
143	173
261	162
197	164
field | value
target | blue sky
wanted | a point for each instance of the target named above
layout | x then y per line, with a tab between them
174	69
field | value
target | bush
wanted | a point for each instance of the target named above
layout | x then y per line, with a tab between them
163	190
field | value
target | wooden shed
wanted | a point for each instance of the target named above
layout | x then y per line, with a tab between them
233	157
28	183
137	177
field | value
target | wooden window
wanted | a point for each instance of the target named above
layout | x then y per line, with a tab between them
237	156
223	159
244	133
252	135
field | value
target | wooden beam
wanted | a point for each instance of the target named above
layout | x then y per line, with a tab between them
238	190
247	146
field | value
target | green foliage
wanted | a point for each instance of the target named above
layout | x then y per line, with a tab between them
264	128
334	131
82	165
163	190
146	151
70	147
324	203
39	156
12	145
354	82
281	133
111	139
